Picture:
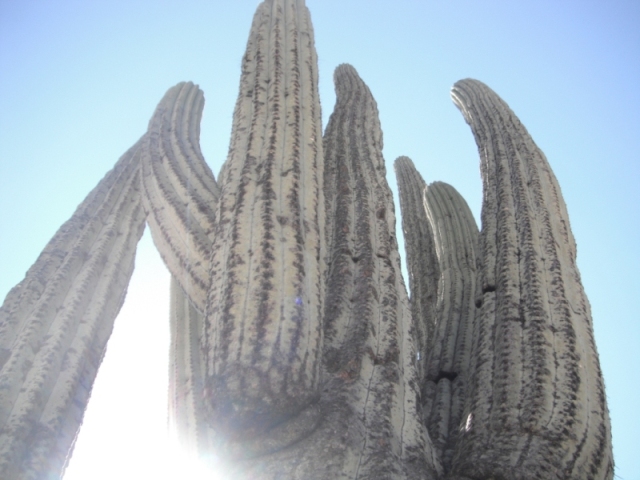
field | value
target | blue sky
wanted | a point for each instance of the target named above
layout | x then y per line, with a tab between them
79	81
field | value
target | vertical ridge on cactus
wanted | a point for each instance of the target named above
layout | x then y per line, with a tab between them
537	402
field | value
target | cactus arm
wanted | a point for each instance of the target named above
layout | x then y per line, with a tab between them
537	405
263	318
368	324
447	364
186	372
422	259
180	192
54	325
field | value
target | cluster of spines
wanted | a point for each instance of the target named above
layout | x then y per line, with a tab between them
54	325
536	404
263	317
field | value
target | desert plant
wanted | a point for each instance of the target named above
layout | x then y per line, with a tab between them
296	351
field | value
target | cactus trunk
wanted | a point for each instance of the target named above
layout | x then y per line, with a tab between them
422	259
180	192
447	365
368	340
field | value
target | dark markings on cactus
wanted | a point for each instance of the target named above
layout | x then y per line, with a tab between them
263	321
537	398
54	325
180	190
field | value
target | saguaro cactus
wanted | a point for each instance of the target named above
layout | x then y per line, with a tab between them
295	350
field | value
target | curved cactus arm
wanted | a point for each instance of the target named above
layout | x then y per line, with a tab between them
422	259
54	325
448	360
368	332
180	192
537	407
263	317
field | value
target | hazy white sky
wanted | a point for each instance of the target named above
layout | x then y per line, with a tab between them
79	81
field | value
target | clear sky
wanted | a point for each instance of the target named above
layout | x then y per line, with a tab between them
79	81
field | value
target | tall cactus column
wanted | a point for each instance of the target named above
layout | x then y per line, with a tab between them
368	332
181	198
448	361
439	211
263	318
537	407
422	258
54	325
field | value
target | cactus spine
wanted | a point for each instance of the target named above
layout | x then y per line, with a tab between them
536	406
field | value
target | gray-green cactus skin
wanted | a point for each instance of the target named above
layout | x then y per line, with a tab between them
295	350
